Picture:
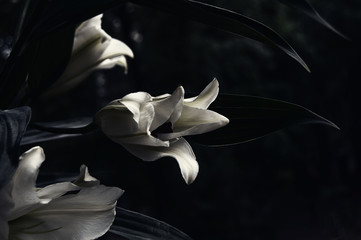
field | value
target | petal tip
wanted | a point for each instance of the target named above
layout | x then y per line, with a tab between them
35	151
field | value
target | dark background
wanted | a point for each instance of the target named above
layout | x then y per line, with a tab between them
299	183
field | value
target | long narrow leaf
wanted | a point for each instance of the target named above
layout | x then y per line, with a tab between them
253	117
225	20
49	131
306	7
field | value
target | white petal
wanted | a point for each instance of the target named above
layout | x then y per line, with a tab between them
58	189
195	121
179	149
85	179
6	203
168	109
96	54
115	48
116	120
206	97
87	32
112	62
82	216
24	191
85	59
138	97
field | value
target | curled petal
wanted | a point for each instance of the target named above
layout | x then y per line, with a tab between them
114	49
134	103
24	192
168	109
195	121
112	62
205	98
114	117
178	149
88	31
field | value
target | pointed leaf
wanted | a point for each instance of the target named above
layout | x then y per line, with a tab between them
12	127
253	117
48	131
305	7
135	226
225	20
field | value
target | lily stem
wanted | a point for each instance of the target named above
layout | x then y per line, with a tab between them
73	130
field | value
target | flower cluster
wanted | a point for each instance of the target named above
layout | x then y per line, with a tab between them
148	127
55	211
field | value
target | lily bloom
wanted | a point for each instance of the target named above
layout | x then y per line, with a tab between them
92	49
153	127
79	210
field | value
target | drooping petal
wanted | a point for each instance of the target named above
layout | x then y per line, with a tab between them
195	121
112	62
82	216
205	98
115	48
24	192
179	149
168	109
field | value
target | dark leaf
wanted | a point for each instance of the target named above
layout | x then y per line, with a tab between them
225	20
34	136
12	127
14	73
28	11
41	132
305	7
130	225
253	117
52	55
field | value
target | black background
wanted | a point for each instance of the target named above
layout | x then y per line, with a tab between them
299	183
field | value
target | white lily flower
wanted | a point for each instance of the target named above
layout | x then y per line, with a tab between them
93	49
56	212
152	127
